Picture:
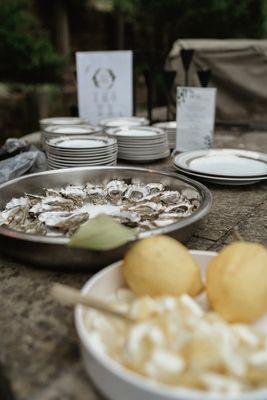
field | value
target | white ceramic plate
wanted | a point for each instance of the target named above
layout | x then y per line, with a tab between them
54	166
167	126
45	122
80	142
63	130
115	381
138	132
219	180
124	121
231	163
82	152
82	163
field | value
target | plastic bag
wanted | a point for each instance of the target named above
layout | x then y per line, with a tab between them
26	159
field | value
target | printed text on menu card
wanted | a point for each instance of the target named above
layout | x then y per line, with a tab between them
104	84
195	116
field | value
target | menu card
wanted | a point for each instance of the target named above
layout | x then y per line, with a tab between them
105	84
195	116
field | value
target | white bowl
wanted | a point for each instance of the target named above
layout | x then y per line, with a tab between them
115	381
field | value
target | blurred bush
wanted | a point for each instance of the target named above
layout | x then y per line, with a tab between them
26	52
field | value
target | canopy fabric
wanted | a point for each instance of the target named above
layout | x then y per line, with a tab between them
239	72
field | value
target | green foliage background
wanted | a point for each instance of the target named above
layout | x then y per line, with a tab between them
26	52
27	55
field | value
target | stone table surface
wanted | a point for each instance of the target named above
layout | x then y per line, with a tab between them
39	349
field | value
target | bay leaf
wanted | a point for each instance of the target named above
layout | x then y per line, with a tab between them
102	233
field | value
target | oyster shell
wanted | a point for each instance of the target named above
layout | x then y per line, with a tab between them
147	209
146	225
17	202
155	188
116	189
13	217
76	193
170	197
179	208
136	193
51	203
33	227
128	218
97	194
65	221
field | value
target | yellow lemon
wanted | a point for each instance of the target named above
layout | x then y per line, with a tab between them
159	265
237	282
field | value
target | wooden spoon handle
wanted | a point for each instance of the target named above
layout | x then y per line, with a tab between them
70	296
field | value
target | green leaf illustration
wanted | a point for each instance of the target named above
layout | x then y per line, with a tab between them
102	233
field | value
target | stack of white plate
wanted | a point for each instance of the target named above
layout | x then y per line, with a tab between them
170	128
120	122
53	131
223	166
141	144
45	122
81	151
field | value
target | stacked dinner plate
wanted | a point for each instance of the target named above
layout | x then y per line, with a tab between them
120	122
45	122
141	144
223	166
170	128
69	130
81	151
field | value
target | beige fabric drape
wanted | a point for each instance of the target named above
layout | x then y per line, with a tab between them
239	72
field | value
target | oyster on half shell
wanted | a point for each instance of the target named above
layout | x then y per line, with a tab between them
136	193
116	189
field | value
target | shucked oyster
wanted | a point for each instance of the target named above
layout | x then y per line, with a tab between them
116	188
65	221
74	192
97	194
170	197
147	209
136	193
51	203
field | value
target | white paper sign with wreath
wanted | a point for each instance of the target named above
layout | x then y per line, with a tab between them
105	84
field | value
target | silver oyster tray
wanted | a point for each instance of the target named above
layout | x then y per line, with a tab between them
53	252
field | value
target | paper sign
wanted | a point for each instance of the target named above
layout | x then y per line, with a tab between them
195	116
105	84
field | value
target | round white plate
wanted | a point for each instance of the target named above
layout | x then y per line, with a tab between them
84	162
80	142
67	165
45	122
95	150
80	157
71	130
143	158
119	383
224	163
138	132
219	180
167	126
124	121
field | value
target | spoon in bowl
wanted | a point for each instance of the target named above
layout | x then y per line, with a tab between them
69	296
